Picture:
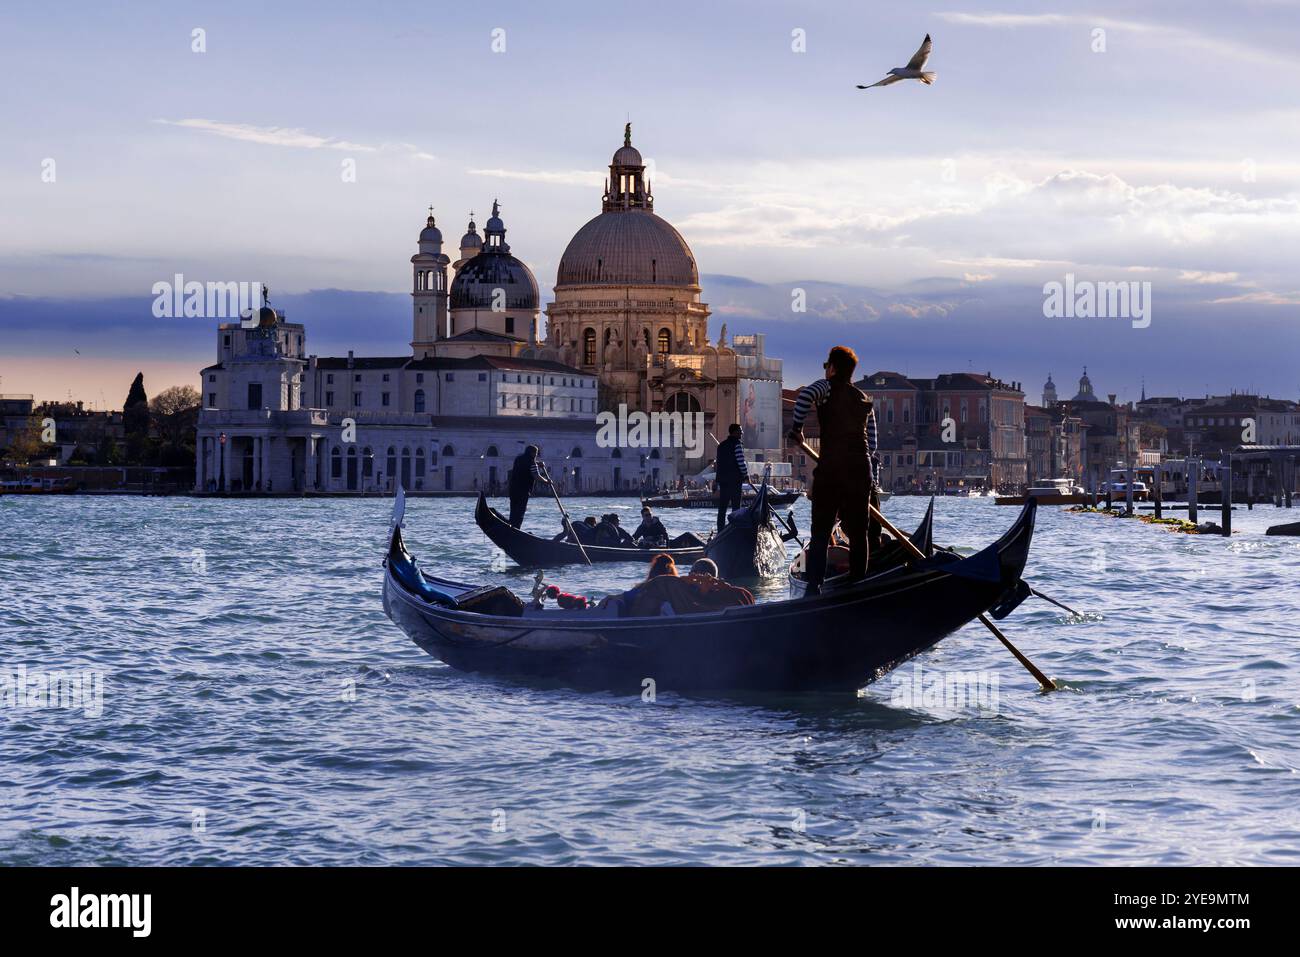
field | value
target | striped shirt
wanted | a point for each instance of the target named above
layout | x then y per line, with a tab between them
741	463
817	393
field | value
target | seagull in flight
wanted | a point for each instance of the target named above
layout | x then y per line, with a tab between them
915	69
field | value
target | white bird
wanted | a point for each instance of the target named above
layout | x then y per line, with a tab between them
913	71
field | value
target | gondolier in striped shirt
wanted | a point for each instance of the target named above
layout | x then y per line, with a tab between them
844	477
526	470
731	471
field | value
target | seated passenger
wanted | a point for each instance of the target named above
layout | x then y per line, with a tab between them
651	532
689	594
706	567
610	534
585	530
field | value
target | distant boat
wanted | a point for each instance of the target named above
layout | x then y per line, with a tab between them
38	486
1058	491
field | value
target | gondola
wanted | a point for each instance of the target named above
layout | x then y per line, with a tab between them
837	641
534	552
750	546
890	555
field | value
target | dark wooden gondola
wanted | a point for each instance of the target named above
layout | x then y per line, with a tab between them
837	641
534	552
750	546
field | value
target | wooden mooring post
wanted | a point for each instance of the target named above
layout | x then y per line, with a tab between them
1157	497
1225	469
1128	491
1193	473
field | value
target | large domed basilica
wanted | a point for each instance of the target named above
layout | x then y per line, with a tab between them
627	309
627	306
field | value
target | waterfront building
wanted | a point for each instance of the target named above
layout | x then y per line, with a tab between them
987	434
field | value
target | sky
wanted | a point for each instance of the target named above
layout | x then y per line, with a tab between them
1147	142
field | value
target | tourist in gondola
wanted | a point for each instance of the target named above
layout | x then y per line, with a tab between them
730	470
651	532
666	592
842	480
527	469
610	533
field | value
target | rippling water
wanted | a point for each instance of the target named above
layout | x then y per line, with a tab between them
258	707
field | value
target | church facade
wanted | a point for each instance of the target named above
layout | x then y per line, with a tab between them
626	329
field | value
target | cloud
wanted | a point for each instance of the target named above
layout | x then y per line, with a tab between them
1203	277
571	177
1262	298
288	137
1151	31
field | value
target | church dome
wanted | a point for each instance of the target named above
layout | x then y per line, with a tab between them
476	284
471	239
430	233
628	156
626	247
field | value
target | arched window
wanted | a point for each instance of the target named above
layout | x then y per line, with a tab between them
616	453
336	463
576	453
492	452
419	400
589	347
665	342
447	450
419	463
391	467
682	402
654	453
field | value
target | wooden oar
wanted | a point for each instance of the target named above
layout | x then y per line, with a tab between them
568	525
1046	682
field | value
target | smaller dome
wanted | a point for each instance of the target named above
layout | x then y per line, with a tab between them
430	233
471	238
266	317
628	156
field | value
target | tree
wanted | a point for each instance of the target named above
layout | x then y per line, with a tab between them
27	444
174	414
135	421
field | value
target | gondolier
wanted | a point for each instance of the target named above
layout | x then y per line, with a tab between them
730	470
843	479
526	470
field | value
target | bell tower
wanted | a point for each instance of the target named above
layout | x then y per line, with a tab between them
428	290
